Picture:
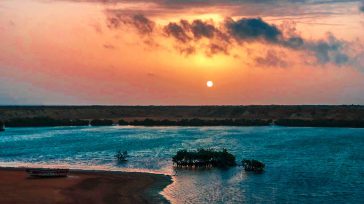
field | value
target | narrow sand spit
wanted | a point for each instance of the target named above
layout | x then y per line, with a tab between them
82	187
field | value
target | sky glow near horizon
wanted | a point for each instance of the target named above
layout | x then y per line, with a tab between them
163	52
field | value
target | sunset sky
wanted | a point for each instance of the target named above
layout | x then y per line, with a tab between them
163	52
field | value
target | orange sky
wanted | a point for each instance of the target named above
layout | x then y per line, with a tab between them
69	52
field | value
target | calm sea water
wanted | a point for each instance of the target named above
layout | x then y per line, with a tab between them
310	165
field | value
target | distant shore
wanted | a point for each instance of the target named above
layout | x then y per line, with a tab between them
292	116
82	187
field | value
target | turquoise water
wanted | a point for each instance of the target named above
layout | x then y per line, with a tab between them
303	165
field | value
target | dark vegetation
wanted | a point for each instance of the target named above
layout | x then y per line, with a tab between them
43	122
197	122
51	122
269	112
320	123
296	115
205	158
1	126
121	156
99	122
253	165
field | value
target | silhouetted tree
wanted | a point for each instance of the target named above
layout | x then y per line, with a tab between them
99	122
253	165
123	122
1	126
204	158
121	156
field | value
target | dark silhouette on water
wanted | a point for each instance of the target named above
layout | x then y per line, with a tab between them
121	156
2	126
253	165
205	158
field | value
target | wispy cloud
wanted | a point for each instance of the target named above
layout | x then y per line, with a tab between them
223	36
272	59
251	8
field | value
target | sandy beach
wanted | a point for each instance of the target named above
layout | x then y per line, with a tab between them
82	187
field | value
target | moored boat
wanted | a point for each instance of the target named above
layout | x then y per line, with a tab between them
46	172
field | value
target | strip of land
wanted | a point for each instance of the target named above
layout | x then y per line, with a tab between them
82	187
299	115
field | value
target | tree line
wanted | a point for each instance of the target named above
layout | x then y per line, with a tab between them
51	122
320	123
196	122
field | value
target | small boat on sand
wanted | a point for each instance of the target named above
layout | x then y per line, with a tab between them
47	172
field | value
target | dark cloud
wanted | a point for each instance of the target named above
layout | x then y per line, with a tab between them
251	29
232	33
272	59
140	22
177	31
186	32
144	25
201	29
216	49
293	42
361	8
329	50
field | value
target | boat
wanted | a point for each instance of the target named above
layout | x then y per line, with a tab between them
47	172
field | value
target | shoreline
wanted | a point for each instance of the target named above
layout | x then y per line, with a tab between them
195	122
336	116
83	186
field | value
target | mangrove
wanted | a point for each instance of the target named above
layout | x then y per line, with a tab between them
196	122
121	156
320	123
204	158
253	165
99	122
43	122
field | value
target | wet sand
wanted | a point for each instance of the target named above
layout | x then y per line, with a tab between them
82	187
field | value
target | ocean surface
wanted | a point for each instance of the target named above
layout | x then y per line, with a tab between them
303	165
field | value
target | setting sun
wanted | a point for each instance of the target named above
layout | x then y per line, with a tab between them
210	84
